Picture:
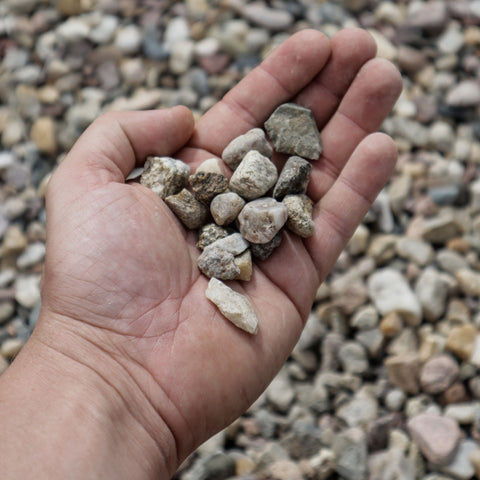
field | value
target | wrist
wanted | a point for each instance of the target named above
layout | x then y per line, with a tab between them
70	401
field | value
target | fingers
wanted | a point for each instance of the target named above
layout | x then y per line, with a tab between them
278	79
345	204
114	143
362	110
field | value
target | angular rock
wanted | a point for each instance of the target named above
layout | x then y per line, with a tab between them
293	178
254	139
438	374
209	233
206	185
211	165
299	210
188	209
234	244
225	207
360	411
165	176
293	131
350	448
254	177
390	292
261	219
244	263
353	358
431	290
461	340
263	250
233	305
436	436
403	370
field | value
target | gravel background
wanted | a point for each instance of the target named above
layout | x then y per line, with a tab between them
384	383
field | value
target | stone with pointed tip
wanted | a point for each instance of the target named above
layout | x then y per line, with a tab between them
293	178
188	209
226	207
300	209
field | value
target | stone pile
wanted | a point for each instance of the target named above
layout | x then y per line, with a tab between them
241	202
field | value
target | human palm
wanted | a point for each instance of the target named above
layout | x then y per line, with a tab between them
121	268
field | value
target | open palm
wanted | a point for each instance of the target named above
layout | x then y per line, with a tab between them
121	269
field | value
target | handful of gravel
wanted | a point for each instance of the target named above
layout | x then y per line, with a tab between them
247	221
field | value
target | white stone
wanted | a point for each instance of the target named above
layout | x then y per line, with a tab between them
32	255
181	57
207	47
415	250
234	244
460	467
390	292
27	290
211	165
432	293
464	94
178	30
73	30
105	30
233	305
475	356
128	39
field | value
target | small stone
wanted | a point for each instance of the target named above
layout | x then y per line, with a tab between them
402	371
209	233
293	179
350	448
441	229
7	309
280	393
365	318
391	464
181	56
353	358
415	250
293	131
14	241
474	458
254	177
431	291
464	94
206	185
261	219
11	348
69	7
211	165
461	467
233	306
254	139
43	134
359	411
27	290
128	39
31	256
436	436
299	210
165	176
391	324
225	207
395	399
464	413
359	242
461	340
188	209
263	250
438	374
469	282
302	441
271	18
244	263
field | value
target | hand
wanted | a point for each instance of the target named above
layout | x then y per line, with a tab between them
122	295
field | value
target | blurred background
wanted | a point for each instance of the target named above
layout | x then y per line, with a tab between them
384	383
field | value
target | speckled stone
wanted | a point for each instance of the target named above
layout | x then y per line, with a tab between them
209	233
254	139
165	176
262	251
188	209
254	177
233	305
299	210
206	185
293	179
262	219
226	207
293	131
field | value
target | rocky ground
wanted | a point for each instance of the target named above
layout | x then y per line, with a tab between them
385	382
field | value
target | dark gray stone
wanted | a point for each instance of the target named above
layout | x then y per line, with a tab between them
263	250
293	178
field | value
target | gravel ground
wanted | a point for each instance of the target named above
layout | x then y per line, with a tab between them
384	383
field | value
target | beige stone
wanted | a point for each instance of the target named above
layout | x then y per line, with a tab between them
43	134
460	341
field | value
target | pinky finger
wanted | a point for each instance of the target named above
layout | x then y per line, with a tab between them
344	206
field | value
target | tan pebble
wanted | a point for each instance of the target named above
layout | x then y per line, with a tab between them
458	244
43	134
391	324
11	347
244	263
244	466
14	241
460	341
403	370
455	393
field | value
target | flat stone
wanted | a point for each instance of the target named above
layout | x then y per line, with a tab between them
232	305
293	178
293	131
436	436
414	250
299	210
263	250
438	374
403	370
261	219
441	229
390	292
234	244
165	176
209	233
225	207
254	139
254	176
464	94
31	256
188	209
206	185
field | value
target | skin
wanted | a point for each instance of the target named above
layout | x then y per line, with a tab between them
130	367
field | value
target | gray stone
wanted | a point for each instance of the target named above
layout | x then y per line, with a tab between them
165	176
431	291
233	305
254	177
441	229
360	411
280	393
31	256
438	374
350	448
365	318
303	441
464	94
461	467
263	16
451	261
7	309
188	209
414	250
254	139
436	436
403	370
206	185
391	465
395	399
293	178
209	233
353	358
372	340
234	244
293	131
262	251
299	210
468	281
226	207
261	219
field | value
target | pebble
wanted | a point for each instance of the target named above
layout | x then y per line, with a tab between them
293	179
468	281
31	256
353	358
165	176
188	209
233	305
299	211
438	373
206	185
209	233
464	94
261	219
262	251
350	449
431	291
359	411
461	340
414	250
254	176
27	290
225	207
128	39
461	467
403	371
280	393
293	131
